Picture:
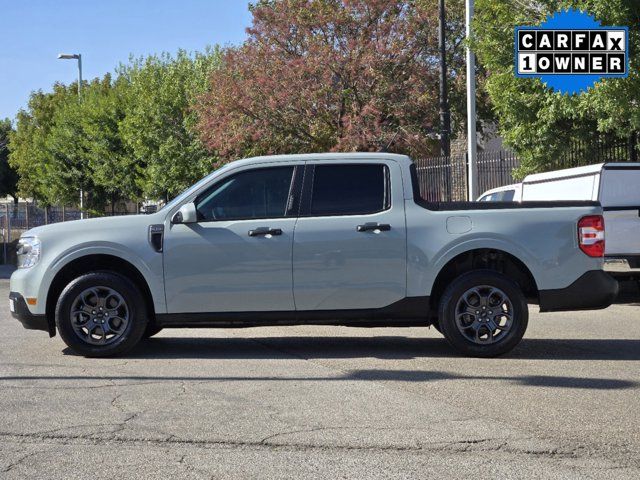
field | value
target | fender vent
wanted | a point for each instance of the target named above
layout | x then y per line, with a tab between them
156	234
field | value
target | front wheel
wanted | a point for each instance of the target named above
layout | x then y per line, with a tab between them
483	314
101	314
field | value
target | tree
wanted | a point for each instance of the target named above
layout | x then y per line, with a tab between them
127	137
8	176
28	152
323	75
159	120
85	149
64	144
537	123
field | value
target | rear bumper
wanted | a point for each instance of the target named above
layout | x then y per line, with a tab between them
623	266
20	311
594	290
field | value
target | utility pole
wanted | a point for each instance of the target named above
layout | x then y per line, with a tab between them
78	57
471	110
445	114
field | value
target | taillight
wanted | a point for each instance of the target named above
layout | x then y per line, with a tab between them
591	235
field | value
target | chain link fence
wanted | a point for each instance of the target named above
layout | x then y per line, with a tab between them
17	218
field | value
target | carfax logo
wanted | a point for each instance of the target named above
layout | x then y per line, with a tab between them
571	51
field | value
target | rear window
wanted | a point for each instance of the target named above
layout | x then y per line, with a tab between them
349	189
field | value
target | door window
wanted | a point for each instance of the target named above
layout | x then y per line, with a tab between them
357	189
252	194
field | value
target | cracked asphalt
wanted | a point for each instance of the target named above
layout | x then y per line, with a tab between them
326	402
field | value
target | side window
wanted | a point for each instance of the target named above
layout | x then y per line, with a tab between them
508	195
350	189
259	193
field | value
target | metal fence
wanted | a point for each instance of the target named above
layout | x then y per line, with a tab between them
445	178
495	169
442	178
599	150
17	218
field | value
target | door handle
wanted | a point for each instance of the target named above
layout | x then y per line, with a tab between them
369	227
264	231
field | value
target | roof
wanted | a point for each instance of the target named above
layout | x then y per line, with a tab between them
567	172
326	156
577	171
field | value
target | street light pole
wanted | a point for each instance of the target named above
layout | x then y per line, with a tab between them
78	57
445	115
79	76
471	110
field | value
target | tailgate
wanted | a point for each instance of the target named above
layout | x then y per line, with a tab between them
620	198
622	226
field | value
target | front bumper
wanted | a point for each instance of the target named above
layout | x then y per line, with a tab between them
20	311
594	290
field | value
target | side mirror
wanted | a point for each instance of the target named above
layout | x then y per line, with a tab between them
186	214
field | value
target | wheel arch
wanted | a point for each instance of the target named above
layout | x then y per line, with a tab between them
92	263
487	259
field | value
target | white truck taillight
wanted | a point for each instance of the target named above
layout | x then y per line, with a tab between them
591	235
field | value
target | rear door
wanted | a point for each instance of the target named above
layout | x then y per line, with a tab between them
350	246
620	198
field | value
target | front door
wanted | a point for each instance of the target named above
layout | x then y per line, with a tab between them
350	247
237	258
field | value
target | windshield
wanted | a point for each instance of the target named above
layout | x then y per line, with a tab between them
180	198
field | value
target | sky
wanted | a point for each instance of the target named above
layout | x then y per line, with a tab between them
106	33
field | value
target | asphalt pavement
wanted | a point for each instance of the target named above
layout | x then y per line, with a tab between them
326	402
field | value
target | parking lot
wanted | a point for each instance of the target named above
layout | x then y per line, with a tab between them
326	402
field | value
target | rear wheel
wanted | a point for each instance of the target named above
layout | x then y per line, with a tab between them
483	314
101	314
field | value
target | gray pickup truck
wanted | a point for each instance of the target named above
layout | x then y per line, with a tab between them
332	239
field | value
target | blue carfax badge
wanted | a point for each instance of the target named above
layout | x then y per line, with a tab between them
571	51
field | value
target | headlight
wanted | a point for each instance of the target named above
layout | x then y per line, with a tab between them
28	252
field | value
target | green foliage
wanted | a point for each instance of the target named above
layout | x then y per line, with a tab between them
159	122
85	150
537	123
8	176
64	144
28	150
124	139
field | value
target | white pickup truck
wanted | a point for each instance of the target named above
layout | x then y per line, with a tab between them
337	239
616	186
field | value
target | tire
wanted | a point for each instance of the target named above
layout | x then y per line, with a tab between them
483	313
151	330
101	314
